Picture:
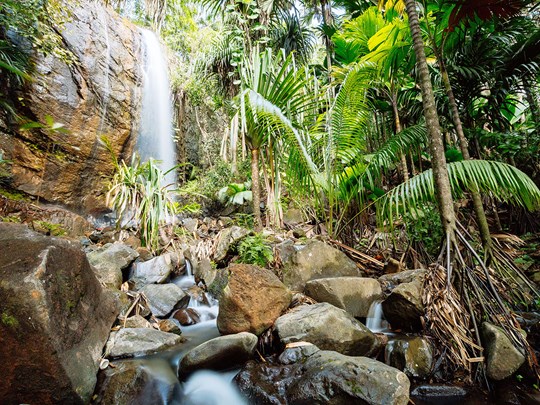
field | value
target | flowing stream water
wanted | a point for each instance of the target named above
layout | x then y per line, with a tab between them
156	126
203	387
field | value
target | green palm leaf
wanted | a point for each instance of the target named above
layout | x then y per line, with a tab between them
502	181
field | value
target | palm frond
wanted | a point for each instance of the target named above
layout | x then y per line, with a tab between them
502	181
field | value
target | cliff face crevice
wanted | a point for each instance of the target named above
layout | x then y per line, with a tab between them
99	95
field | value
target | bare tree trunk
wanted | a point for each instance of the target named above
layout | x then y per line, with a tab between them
326	11
440	172
398	130
479	211
256	190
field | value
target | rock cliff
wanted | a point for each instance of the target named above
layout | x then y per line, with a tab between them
98	95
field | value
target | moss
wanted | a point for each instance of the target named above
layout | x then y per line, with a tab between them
9	320
49	228
13	195
11	218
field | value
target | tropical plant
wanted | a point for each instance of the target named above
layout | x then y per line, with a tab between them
138	196
235	193
255	250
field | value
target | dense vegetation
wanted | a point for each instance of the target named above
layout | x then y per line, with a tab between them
422	115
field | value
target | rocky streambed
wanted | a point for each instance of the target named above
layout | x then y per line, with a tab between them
107	322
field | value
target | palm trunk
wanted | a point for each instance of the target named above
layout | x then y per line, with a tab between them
326	11
256	189
440	171
479	211
398	130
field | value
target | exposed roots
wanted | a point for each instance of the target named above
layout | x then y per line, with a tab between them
461	292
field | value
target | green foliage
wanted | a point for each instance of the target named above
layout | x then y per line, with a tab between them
255	250
502	181
235	193
50	228
39	22
136	192
9	320
243	220
424	228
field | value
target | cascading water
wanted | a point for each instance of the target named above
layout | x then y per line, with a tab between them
156	127
374	320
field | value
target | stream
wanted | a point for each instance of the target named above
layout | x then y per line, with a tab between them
215	388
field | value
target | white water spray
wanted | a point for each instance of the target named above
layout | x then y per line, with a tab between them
156	128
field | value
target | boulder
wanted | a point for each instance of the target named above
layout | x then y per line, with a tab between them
251	301
133	382
390	281
412	355
187	316
154	271
293	216
136	321
324	377
327	327
169	326
131	342
203	271
502	357
164	298
403	308
53	311
353	294
109	261
227	238
220	353
317	260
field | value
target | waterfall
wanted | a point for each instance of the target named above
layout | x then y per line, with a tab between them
156	126
374	320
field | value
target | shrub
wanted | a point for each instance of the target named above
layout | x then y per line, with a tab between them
255	250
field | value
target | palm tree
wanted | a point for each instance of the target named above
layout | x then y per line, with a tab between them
272	95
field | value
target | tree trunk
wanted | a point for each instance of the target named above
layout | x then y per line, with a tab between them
256	190
479	211
440	171
398	130
326	11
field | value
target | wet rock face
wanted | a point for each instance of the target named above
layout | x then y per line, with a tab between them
220	353
251	301
99	95
323	377
412	355
52	311
131	382
403	308
327	327
503	358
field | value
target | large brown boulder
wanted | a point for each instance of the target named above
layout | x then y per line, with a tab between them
251	301
316	260
99	94
55	319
